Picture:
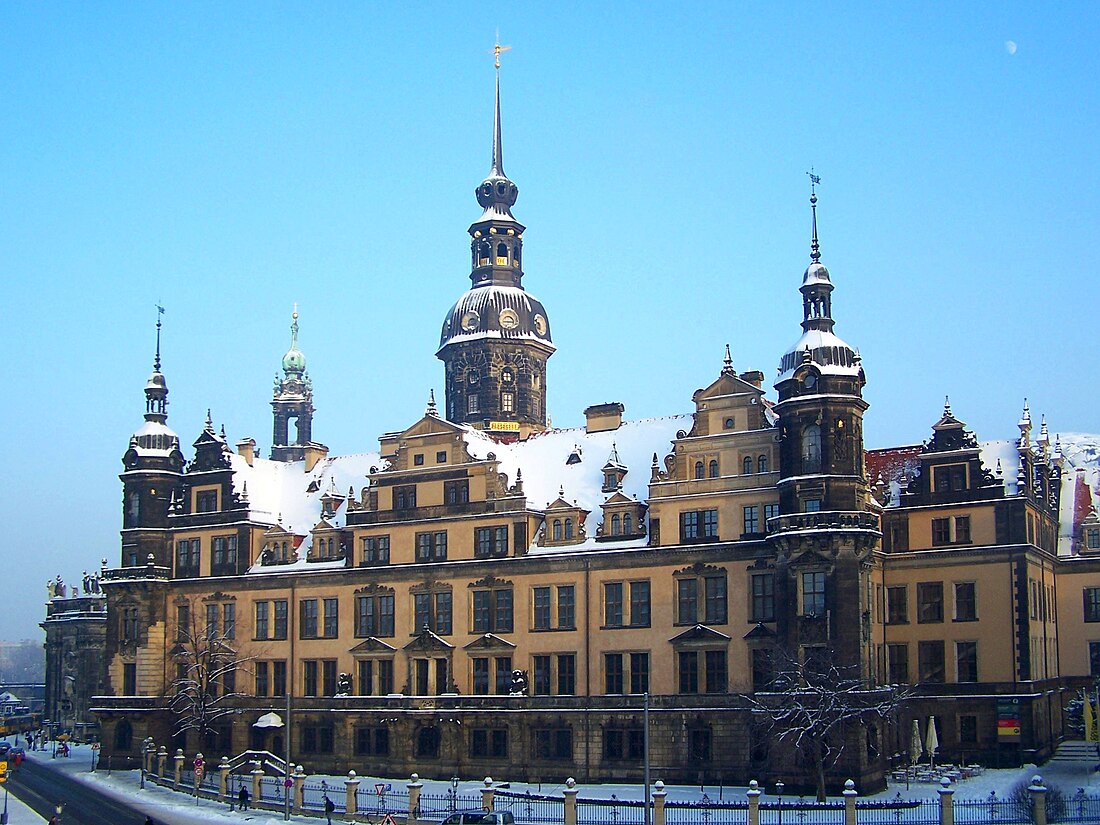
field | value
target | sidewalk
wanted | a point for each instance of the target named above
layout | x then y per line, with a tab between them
20	814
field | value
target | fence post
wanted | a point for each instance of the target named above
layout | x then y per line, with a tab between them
753	793
257	777
570	801
147	758
1038	800
223	777
487	794
947	802
162	757
351	786
299	788
659	794
414	786
179	760
850	794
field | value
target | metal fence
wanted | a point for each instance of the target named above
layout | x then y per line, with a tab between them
382	798
898	811
437	806
529	808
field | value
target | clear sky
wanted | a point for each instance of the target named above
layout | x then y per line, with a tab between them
229	160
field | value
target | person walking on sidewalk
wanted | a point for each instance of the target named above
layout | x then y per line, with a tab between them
329	808
242	799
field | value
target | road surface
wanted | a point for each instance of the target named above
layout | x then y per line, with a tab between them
41	789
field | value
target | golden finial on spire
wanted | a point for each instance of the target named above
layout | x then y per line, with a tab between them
496	51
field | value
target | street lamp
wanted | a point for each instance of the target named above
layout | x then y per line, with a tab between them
779	792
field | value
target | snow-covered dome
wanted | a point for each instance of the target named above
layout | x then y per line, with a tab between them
496	311
827	351
816	273
155	437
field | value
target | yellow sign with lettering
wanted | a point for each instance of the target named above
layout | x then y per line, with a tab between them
3	772
508	426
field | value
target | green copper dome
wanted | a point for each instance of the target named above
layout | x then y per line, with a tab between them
294	362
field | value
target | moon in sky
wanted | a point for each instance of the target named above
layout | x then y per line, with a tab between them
1010	46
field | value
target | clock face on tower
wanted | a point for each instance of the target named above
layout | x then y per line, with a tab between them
509	319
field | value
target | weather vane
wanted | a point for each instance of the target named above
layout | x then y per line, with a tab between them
815	180
496	51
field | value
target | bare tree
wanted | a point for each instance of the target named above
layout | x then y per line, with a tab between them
207	668
817	709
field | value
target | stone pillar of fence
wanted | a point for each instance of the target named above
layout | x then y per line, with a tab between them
257	781
947	802
659	794
299	778
753	794
850	795
147	752
179	759
351	791
570	801
162	757
223	778
487	794
1038	793
414	786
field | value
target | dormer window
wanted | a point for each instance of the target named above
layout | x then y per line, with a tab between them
950	478
206	501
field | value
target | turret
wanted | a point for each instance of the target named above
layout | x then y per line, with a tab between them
293	401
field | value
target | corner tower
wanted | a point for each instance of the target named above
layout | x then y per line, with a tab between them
495	340
293	401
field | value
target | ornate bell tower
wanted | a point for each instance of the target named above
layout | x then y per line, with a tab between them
293	401
496	339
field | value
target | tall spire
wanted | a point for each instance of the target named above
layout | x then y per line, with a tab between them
156	360
497	169
815	248
156	388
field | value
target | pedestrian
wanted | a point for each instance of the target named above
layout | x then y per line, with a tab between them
149	821
329	808
53	820
242	798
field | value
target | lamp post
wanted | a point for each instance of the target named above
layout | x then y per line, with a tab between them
779	792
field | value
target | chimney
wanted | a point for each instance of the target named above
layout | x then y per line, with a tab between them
754	377
600	418
314	452
246	449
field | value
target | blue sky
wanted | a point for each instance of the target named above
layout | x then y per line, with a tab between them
229	160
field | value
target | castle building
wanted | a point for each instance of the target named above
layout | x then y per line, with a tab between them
487	594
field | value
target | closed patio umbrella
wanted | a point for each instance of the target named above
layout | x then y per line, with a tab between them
932	741
916	749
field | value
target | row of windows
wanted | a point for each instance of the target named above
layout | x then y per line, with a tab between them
223	558
930	603
221	622
709	468
951	530
702	525
489	542
931	662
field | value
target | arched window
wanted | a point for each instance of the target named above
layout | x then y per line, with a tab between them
746	465
616	525
714	468
698	469
762	464
124	736
483	252
502	254
569	528
557	529
811	449
628	524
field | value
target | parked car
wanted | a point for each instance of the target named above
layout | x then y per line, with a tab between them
480	818
4	748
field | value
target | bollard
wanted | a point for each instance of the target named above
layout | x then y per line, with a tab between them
257	782
1038	800
487	794
414	786
299	778
162	757
179	759
753	794
947	803
351	789
850	795
659	795
223	778
570	801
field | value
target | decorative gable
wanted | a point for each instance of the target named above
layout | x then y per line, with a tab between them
699	636
623	518
563	523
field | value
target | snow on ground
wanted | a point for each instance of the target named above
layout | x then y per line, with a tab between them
175	808
20	814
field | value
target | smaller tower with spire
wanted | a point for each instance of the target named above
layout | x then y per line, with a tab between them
293	401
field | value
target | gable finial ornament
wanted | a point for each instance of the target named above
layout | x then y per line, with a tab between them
727	363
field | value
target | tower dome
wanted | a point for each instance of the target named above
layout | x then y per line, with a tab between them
294	362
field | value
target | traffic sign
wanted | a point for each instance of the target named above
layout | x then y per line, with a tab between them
288	783
3	772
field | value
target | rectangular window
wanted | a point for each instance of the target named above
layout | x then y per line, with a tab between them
714	588
456	492
317	739
490	542
1092	538
1094	658
433	610
552	743
385	677
481	676
541	682
187	558
624	744
898	663
404	498
710	524
129	679
262	629
752	519
613	673
308	618
613	604
566	606
1092	604
688	671
929	602
309	677
966	661
263	684
372	741
966	602
328	676
639	604
280	606
507	402
366	677
962	530
472	405
376	550
332	618
493	611
717	676
489	743
224	555
762	669
763	597
968	730
211	621
770	512
639	673
813	594
951	478
897	604
689	527
431	546
229	620
206	501
567	674
930	661
941	531
542	608
503	674
699	750
278	678
687	601
373	616
183	623
811	505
